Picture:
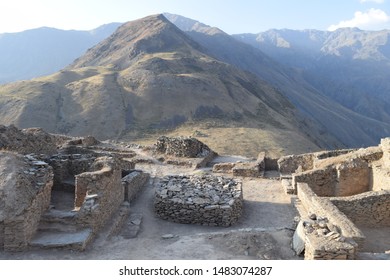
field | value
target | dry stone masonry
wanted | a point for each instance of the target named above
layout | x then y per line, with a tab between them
133	183
206	200
352	190
24	196
322	240
185	147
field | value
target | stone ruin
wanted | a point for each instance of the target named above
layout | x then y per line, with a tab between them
185	147
254	168
349	193
62	189
53	186
25	187
205	200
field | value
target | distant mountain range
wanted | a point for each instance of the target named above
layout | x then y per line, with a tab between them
349	65
306	89
43	51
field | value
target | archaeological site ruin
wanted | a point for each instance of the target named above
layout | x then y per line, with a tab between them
67	192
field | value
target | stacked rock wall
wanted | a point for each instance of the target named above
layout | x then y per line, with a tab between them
251	169
24	199
182	147
344	179
27	141
370	209
328	248
321	181
67	166
385	145
289	164
133	183
322	206
99	193
205	200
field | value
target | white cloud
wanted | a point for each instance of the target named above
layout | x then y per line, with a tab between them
371	19
375	1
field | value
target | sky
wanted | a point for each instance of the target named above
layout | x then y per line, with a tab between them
232	16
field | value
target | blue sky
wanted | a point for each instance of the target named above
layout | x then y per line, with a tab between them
232	16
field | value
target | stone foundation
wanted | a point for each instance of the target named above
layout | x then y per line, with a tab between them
205	200
224	167
250	169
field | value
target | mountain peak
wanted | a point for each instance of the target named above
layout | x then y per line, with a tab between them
144	36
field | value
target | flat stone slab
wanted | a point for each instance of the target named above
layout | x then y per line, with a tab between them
132	228
59	214
73	240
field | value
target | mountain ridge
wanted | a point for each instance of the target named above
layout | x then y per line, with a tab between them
348	65
350	127
149	75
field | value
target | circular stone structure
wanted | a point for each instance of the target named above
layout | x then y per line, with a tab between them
206	200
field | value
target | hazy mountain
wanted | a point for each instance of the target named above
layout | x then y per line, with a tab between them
307	89
150	75
353	128
349	65
42	51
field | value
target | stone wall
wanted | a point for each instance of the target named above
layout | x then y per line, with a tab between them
250	169
289	164
344	179
328	248
133	183
205	200
322	206
33	214
353	177
380	177
369	155
67	166
385	146
101	192
321	181
31	140
223	167
182	147
23	211
371	209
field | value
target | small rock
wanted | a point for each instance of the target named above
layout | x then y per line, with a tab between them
136	222
313	217
168	236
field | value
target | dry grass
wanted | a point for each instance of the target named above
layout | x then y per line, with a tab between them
243	141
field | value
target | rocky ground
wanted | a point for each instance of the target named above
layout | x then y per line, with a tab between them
264	230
